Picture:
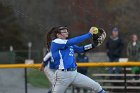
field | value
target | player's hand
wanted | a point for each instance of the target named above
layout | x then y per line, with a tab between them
93	30
41	67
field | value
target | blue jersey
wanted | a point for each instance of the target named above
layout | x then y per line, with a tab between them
63	51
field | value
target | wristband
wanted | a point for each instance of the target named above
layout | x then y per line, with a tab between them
88	47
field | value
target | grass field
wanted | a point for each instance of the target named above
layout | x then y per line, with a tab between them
37	78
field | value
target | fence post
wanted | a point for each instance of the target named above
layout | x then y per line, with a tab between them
125	82
25	69
72	89
25	76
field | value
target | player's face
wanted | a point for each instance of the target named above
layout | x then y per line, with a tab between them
64	33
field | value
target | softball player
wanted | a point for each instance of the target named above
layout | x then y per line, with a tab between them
62	50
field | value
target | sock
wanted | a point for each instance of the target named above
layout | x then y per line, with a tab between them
49	91
102	91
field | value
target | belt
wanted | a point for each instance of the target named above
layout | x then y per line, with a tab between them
69	69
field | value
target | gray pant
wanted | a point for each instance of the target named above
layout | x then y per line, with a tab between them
49	74
62	79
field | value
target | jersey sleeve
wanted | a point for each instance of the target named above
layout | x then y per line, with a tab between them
62	44
79	39
47	56
78	49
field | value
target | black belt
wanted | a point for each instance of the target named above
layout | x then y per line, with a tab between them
69	69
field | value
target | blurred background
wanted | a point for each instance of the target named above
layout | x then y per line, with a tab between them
24	23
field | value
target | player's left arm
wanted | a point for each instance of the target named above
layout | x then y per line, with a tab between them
45	59
79	49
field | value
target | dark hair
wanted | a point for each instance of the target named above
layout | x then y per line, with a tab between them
52	34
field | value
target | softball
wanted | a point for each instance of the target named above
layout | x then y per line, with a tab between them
95	30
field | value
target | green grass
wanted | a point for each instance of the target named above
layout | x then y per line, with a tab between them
37	78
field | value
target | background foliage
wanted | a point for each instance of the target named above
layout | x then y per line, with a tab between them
22	21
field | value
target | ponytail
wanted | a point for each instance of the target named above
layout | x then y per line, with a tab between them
50	35
48	38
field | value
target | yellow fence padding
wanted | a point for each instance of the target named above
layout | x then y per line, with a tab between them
91	64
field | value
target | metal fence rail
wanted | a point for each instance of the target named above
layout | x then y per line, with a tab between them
91	64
